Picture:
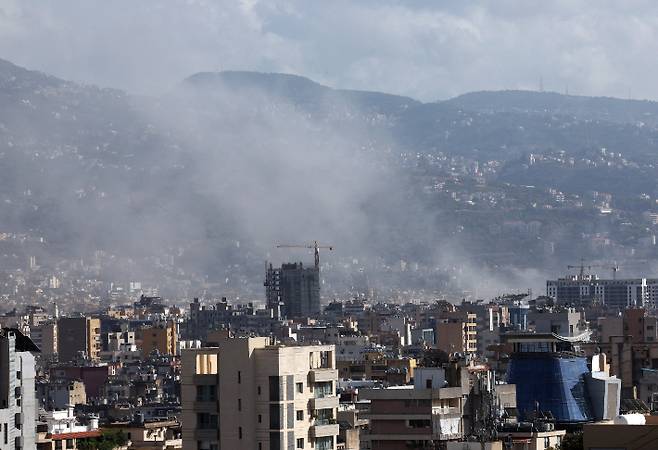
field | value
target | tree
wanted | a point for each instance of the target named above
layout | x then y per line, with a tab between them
109	440
572	441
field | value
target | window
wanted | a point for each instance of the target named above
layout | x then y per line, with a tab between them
258	390
419	423
324	443
18	375
300	443
239	432
260	446
275	440
239	404
324	389
69	443
324	416
428	383
239	377
300	414
275	394
206	421
300	388
275	417
547	442
206	393
260	418
58	445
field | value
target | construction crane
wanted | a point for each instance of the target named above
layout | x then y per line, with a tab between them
316	248
582	267
626	265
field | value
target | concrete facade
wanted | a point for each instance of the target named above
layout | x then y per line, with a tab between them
424	412
59	394
589	289
160	338
267	397
457	333
295	288
78	336
44	336
18	407
615	437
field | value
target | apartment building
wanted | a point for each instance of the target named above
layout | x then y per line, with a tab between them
567	322
582	290
378	367
18	407
44	336
294	289
253	393
61	393
417	415
457	332
78	336
161	338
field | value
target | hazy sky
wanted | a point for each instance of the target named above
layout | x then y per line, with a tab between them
428	49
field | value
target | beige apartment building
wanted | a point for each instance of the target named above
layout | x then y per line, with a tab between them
163	338
457	333
252	393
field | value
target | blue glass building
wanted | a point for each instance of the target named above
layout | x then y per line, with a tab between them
549	376
518	316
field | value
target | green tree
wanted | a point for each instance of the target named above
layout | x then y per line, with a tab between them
572	441
109	440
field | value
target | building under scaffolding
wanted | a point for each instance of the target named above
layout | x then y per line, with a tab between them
293	290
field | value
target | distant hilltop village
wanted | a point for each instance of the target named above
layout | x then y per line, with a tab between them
577	366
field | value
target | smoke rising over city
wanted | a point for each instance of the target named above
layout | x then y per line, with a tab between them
203	170
346	224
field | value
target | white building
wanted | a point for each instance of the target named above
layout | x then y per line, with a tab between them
17	392
589	289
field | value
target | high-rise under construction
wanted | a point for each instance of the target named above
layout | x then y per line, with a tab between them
293	290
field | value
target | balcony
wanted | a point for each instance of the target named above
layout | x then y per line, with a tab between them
447	411
321	375
206	405
324	429
328	402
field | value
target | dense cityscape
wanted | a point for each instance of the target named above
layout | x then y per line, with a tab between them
291	225
579	364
